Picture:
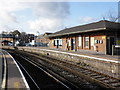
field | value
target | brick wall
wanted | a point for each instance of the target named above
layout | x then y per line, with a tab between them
99	45
9	39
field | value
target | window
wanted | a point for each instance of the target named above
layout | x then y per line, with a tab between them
92	41
55	42
69	42
86	41
79	41
58	42
101	41
98	41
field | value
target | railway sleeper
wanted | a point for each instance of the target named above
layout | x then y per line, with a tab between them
93	74
115	84
107	81
93	79
104	78
96	77
89	72
83	71
113	81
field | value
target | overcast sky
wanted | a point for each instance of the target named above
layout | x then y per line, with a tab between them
33	16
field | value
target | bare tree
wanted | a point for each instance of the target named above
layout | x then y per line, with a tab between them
111	16
16	32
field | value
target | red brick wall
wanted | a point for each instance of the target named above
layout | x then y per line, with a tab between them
51	44
100	47
9	39
64	44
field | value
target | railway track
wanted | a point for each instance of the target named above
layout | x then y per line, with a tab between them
102	79
39	77
89	75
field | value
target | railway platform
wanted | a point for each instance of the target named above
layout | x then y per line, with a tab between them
10	73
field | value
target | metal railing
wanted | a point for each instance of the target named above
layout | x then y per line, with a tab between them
115	50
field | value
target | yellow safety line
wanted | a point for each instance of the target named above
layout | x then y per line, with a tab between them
16	85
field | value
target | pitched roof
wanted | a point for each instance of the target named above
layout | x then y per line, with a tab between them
6	36
96	26
46	33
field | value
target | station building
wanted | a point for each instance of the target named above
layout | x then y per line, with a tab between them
98	36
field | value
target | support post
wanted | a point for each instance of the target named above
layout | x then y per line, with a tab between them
113	49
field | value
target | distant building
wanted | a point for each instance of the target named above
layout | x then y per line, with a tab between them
7	39
27	38
43	39
98	36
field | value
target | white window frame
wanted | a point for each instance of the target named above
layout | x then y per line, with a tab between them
55	42
92	41
80	41
59	42
86	41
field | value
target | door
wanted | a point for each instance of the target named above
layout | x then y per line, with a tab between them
57	43
72	44
110	42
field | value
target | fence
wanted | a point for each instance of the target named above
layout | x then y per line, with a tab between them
115	49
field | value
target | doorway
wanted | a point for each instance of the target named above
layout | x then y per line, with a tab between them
72	44
110	42
57	43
